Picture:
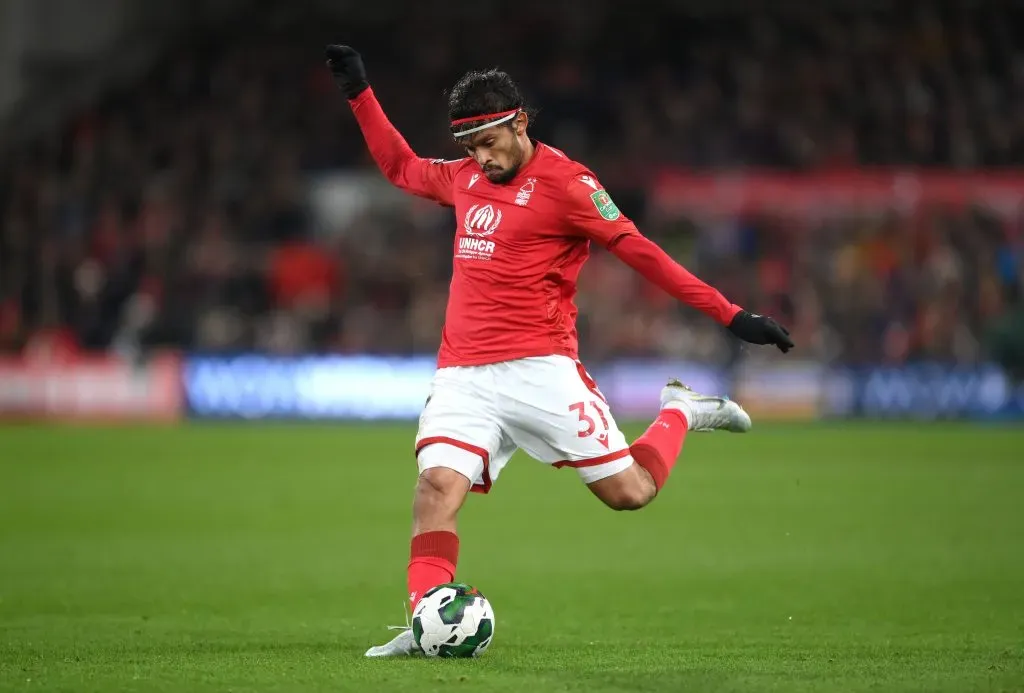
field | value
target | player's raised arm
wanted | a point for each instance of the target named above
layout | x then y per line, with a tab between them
429	178
593	214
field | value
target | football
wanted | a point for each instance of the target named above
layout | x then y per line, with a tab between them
453	620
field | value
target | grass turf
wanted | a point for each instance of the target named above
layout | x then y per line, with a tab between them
268	557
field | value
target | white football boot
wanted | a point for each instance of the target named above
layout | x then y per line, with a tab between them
402	645
703	412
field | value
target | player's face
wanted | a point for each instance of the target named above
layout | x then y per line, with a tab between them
498	150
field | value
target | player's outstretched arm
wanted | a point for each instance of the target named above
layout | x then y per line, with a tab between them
592	213
430	178
647	258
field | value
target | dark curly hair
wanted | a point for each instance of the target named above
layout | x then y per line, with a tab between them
481	92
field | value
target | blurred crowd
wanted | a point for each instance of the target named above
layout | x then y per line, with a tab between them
176	212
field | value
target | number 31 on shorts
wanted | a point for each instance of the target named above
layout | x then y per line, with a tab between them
590	426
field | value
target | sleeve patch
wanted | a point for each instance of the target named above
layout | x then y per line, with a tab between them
605	206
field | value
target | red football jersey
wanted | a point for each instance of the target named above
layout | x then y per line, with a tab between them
519	246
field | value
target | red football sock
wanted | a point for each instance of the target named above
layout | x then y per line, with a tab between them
658	448
432	560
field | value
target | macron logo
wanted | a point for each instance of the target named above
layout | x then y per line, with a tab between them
474	179
587	180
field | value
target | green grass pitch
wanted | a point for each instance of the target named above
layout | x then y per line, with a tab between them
268	557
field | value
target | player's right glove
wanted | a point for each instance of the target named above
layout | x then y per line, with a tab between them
347	67
758	329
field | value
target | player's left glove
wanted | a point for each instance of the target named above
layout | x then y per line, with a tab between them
347	67
758	329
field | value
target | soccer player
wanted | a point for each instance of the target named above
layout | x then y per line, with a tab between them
508	373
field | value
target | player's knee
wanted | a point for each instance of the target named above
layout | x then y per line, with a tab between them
436	484
628	497
440	490
630	489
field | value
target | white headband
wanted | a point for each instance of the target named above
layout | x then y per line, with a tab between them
478	128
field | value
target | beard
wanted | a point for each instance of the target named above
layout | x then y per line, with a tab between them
504	175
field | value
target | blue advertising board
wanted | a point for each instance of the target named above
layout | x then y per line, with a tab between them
924	392
395	388
309	387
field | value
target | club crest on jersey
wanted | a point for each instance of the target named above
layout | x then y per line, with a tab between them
523	196
481	221
605	207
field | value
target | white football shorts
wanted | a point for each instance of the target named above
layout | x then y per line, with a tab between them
476	417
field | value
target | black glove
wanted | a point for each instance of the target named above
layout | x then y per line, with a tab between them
348	70
757	329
